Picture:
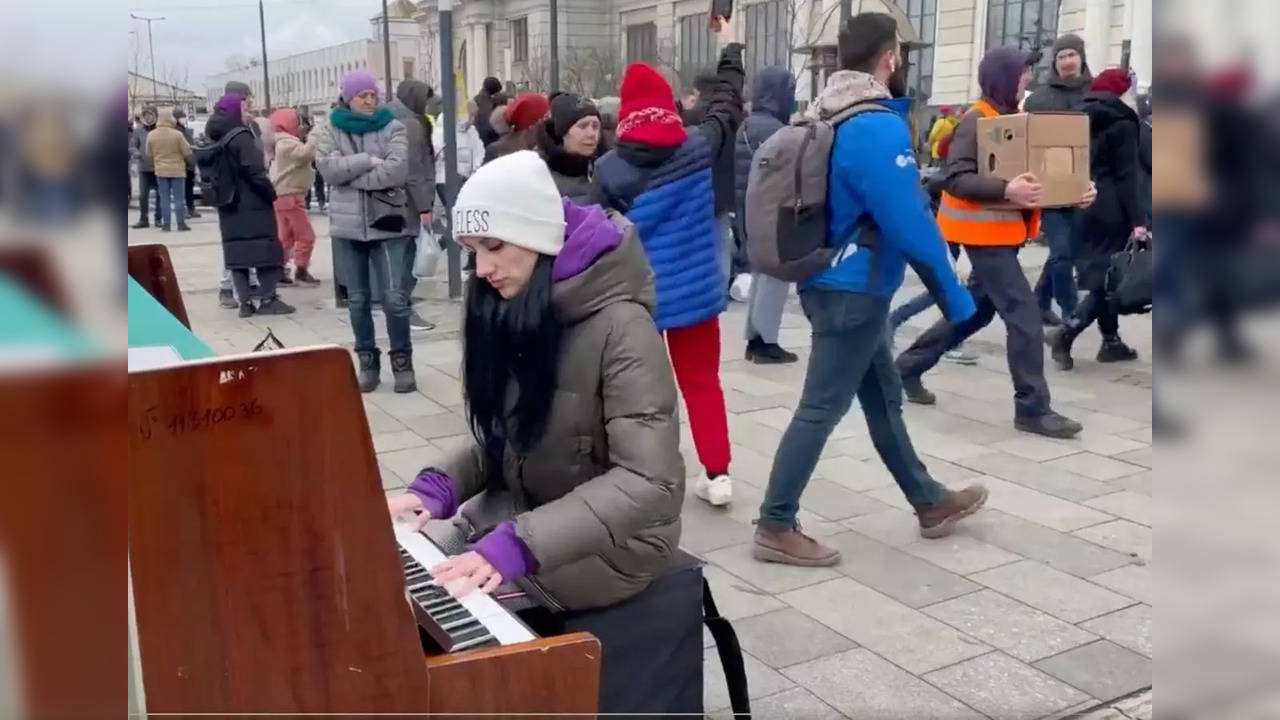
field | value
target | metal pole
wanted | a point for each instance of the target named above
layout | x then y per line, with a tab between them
453	252
151	49
846	11
266	76
386	47
555	46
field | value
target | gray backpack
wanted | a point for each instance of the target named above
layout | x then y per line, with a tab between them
786	202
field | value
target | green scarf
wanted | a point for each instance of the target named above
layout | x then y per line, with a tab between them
353	122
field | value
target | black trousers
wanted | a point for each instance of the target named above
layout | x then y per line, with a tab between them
999	288
1096	305
318	187
191	191
146	185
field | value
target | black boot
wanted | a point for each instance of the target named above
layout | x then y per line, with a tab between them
763	353
285	277
916	391
227	299
1050	424
275	306
1114	350
304	278
370	372
1059	340
141	224
183	227
247	309
402	371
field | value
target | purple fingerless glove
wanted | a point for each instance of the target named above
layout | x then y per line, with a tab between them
506	552
435	489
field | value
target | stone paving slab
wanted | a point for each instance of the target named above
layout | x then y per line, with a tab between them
1039	606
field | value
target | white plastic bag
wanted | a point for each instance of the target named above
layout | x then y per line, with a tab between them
427	257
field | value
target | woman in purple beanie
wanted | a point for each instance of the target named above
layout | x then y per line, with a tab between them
364	157
246	212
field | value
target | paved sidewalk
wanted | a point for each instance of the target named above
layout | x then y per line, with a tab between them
1039	606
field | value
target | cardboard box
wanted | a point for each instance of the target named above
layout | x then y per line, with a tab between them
1181	183
1052	146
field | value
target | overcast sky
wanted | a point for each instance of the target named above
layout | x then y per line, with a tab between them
198	36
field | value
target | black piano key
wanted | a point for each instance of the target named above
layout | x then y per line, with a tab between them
444	618
478	642
416	576
461	621
468	633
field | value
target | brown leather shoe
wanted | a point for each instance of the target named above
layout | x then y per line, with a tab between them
791	547
959	504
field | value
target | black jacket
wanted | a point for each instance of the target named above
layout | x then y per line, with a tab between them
247	223
1059	96
772	96
1113	162
717	117
485	103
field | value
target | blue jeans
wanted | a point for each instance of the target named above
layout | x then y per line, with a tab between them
393	265
1062	229
850	357
173	199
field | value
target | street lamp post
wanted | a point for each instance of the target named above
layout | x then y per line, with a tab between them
386	47
452	251
555	45
266	77
151	48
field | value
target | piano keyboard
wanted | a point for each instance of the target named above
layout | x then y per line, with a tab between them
456	624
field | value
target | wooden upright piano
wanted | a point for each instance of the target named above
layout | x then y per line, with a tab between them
265	573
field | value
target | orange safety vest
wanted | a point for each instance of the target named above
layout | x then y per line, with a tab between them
968	223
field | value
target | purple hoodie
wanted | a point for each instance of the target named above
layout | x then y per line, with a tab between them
998	75
588	234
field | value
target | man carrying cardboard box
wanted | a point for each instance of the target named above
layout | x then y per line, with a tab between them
992	218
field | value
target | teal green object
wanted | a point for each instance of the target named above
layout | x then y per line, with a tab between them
31	329
356	123
150	324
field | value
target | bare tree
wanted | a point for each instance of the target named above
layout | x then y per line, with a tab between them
591	71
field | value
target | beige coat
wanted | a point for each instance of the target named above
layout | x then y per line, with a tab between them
291	170
168	147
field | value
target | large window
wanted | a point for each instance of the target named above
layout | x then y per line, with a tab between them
520	40
924	16
642	43
1026	24
697	46
768	34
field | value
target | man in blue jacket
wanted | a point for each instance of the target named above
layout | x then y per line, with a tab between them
873	177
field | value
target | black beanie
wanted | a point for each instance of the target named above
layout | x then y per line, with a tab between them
492	86
567	109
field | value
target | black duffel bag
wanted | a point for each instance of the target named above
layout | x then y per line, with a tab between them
1130	278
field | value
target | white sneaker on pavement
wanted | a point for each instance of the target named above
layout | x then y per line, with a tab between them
717	491
740	290
960	356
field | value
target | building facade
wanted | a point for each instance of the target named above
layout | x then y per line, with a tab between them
310	81
146	92
509	39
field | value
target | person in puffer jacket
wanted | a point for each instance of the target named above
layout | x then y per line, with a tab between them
562	367
773	94
362	153
660	176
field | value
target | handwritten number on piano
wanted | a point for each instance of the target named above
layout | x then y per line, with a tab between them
197	420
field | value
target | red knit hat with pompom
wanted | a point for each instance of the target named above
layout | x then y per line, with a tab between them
1114	81
648	112
526	110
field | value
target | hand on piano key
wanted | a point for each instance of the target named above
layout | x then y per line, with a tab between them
465	573
409	508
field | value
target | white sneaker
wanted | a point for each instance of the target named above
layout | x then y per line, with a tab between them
960	356
717	490
740	290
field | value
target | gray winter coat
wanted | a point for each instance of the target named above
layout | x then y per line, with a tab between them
138	149
347	163
598	500
773	94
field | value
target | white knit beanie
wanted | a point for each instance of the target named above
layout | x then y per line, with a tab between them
515	200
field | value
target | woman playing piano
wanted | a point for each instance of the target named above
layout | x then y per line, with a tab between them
575	482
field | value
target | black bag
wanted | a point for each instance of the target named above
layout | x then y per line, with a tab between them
386	209
217	171
1130	279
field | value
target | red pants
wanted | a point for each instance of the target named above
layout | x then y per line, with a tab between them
294	228
695	358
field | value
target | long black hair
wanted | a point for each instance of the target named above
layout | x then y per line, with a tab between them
504	342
